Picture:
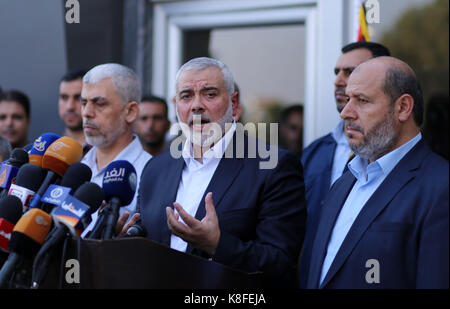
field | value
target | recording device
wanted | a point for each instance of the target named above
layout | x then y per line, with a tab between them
10	213
39	147
76	174
18	158
119	185
9	169
57	158
72	216
137	230
26	238
28	181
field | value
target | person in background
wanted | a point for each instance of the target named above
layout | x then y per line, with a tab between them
385	223
5	149
69	106
436	125
291	129
153	124
15	118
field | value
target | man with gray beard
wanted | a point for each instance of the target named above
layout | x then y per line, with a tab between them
215	200
326	158
109	105
385	223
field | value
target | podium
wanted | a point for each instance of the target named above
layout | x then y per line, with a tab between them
139	263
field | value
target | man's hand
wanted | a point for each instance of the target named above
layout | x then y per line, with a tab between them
120	228
204	234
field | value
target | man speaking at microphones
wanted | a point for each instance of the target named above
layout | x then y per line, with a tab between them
216	199
109	105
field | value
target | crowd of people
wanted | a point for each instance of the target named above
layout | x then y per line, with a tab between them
370	194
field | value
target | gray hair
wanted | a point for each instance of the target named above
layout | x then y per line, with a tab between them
399	81
124	79
5	148
202	63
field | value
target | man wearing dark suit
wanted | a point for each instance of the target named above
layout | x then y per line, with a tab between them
228	205
324	160
384	223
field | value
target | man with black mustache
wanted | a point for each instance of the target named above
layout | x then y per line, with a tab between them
69	106
15	117
325	159
153	124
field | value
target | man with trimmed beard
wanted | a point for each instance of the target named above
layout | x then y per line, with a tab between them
212	198
385	223
325	159
15	117
109	106
69	106
153	124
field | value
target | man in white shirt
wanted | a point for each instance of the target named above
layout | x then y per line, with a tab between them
212	202
110	97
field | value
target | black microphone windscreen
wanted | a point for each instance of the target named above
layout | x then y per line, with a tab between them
18	157
11	208
23	244
91	194
30	176
76	174
137	230
28	147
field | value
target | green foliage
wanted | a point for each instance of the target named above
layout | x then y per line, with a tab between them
421	39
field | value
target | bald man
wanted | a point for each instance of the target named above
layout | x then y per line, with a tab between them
384	223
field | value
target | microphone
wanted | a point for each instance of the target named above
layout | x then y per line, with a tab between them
10	168
77	174
137	230
57	158
28	147
73	215
39	147
10	213
26	238
28	180
119	185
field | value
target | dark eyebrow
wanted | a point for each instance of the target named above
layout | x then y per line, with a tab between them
95	99
210	88
346	69
185	91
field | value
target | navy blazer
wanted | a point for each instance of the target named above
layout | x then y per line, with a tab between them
317	162
404	226
261	212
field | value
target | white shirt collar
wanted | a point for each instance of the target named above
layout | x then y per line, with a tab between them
360	167
129	153
338	134
216	151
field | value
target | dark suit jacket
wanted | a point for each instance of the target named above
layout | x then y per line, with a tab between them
317	162
404	226
261	212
